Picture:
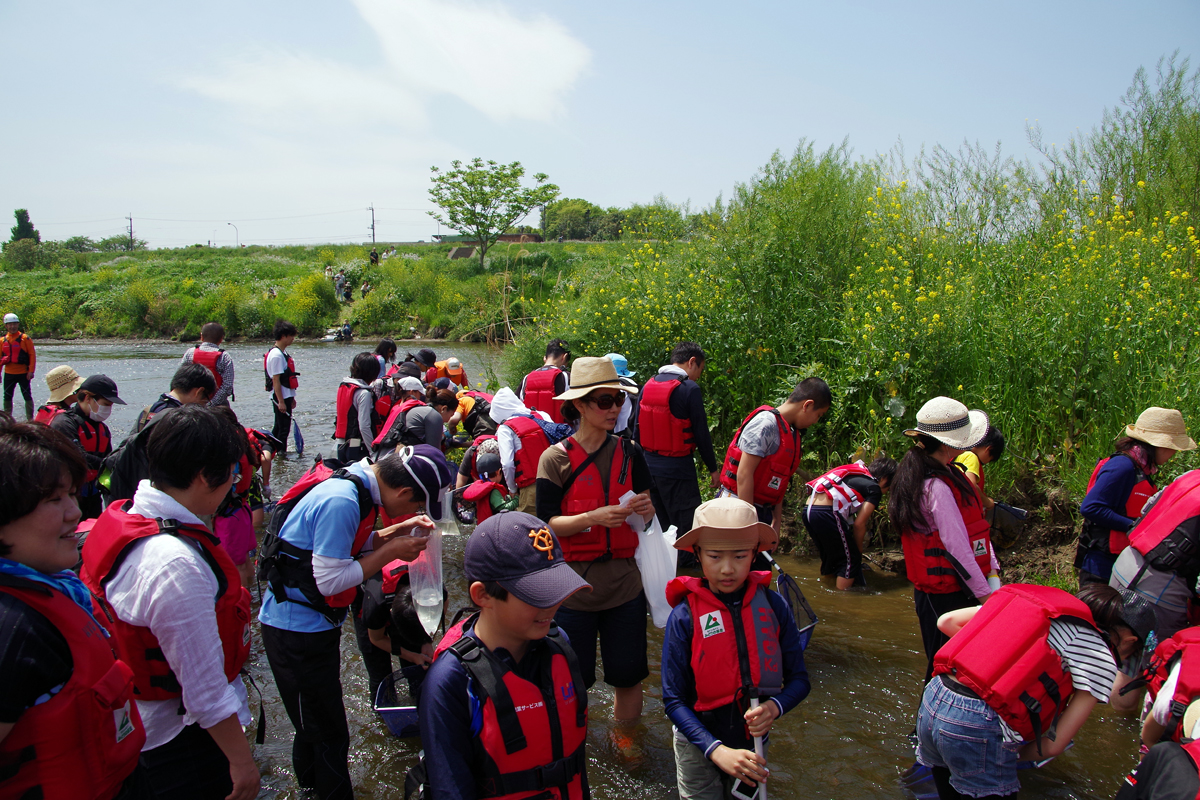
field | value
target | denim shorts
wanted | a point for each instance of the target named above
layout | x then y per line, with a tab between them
963	735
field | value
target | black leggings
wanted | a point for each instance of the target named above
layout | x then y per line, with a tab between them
11	382
941	779
929	608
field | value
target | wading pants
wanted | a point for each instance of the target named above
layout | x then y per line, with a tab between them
11	382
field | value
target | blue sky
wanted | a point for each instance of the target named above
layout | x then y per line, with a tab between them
290	118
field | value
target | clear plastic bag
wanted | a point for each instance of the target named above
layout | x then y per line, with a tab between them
425	582
656	560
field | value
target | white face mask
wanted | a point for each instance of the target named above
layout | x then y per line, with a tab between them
101	413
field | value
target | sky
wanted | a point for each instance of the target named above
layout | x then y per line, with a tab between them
289	118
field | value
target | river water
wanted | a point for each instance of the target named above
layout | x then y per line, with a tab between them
848	739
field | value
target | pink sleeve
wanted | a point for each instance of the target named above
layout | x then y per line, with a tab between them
940	509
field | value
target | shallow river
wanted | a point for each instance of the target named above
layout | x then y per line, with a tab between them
847	740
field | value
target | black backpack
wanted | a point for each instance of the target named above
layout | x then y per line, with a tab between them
129	464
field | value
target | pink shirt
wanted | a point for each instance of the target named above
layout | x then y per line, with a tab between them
939	508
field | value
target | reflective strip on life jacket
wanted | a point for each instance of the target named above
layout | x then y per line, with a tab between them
587	492
534	442
929	564
208	360
774	472
846	499
660	431
539	392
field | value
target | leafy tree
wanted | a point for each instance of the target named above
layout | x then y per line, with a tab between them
21	255
24	228
120	244
483	199
80	244
572	219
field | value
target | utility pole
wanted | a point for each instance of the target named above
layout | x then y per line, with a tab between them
130	218
371	208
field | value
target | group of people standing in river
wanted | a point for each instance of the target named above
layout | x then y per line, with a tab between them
564	477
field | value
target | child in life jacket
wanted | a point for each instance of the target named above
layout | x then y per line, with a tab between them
1172	687
503	708
488	494
391	620
730	641
971	462
1170	770
838	512
1030	659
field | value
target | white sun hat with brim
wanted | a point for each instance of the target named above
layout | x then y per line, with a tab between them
727	523
1161	427
951	423
589	374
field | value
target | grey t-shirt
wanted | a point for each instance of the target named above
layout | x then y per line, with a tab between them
760	436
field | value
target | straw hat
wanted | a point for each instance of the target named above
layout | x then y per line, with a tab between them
949	421
63	382
589	374
727	523
1161	427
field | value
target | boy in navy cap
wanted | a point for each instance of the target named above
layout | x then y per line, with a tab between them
504	711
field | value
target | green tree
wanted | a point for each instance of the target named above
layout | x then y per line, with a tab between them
572	219
80	244
483	199
24	228
120	244
21	255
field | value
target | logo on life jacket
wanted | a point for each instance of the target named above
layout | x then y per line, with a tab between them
775	482
979	548
543	541
711	624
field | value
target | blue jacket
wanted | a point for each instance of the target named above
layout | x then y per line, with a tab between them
1105	503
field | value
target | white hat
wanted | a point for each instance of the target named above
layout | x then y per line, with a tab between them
10	318
410	384
949	421
727	523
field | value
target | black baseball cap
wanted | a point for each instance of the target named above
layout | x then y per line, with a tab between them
521	553
101	386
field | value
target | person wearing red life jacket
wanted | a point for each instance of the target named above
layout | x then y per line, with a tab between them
85	425
947	550
69	727
523	435
1120	486
594	488
539	388
356	422
486	494
765	451
1030	659
518	578
424	360
18	360
411	421
281	380
63	383
178	611
390	618
838	512
1172	688
326	548
730	640
209	355
1168	771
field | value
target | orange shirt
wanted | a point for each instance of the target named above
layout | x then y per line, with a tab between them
14	367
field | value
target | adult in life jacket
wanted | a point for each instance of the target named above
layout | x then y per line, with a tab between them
730	642
411	421
472	412
451	369
947	548
210	355
504	707
71	728
153	566
63	382
1162	562
1030	659
356	422
320	546
390	620
765	451
540	387
19	360
523	435
838	512
279	370
589	487
1120	486
85	425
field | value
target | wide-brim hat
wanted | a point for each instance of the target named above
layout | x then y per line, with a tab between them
727	523
589	374
62	382
951	423
621	363
1161	427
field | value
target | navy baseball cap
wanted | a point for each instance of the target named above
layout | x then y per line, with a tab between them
432	471
101	386
521	553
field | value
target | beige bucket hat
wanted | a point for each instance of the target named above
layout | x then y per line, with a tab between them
727	523
950	422
589	374
63	382
1161	427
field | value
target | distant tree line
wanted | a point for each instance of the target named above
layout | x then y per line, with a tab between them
25	250
576	218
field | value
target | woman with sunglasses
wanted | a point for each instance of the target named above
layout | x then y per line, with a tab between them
594	490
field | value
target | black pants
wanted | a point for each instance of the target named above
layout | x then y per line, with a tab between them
11	382
191	767
929	608
675	503
941	779
377	661
307	673
283	422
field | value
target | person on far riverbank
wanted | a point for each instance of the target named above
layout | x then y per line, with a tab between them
540	387
281	375
209	355
192	385
19	359
85	425
62	383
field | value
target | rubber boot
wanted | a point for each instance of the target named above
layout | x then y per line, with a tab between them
28	410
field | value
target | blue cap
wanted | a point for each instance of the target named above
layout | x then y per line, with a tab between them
621	363
521	553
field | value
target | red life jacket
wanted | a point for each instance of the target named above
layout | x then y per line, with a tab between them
478	440
1167	535
12	353
287	378
208	360
480	493
846	500
46	414
96	440
587	492
1183	649
532	740
1002	655
774	472
392	572
397	415
346	423
478	395
383	406
660	431
724	673
534	442
106	548
1097	538
927	561
283	565
539	392
85	740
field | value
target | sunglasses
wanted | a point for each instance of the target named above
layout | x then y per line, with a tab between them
607	401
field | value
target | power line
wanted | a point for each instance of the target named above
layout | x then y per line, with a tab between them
253	219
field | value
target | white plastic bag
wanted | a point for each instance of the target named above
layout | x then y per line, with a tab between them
655	558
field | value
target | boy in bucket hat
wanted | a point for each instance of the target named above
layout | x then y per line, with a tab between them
503	708
718	619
